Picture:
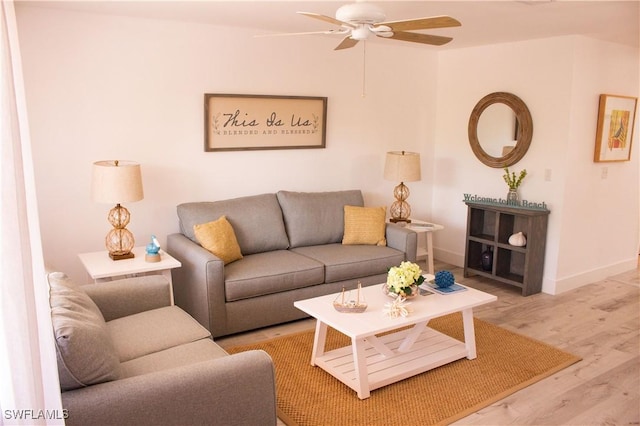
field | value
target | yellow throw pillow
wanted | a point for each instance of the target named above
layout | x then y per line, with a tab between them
364	225
219	238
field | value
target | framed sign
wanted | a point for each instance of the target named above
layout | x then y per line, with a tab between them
616	118
254	122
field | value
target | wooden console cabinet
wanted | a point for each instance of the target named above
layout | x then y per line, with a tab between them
489	227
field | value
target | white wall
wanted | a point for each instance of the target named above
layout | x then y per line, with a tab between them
104	87
599	230
560	79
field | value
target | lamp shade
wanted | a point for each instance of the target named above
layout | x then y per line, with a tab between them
116	182
401	166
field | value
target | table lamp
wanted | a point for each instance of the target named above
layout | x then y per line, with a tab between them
117	182
401	166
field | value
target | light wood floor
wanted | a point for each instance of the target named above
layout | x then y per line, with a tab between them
599	322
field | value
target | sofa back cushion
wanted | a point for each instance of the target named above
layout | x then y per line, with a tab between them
84	348
256	221
313	218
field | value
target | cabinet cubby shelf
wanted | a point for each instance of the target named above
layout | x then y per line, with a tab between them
489	227
511	279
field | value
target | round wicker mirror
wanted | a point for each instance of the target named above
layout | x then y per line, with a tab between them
522	132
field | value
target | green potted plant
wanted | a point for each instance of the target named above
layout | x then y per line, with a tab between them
513	182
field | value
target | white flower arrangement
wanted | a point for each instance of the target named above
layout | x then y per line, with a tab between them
401	278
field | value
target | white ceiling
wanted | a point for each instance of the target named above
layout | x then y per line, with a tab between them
483	22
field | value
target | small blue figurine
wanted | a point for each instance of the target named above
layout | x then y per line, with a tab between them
153	249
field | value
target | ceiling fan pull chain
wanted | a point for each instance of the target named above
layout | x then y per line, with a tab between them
364	68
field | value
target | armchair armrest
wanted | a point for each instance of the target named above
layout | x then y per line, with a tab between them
403	239
233	390
130	296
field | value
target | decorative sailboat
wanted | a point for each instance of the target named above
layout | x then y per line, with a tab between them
343	303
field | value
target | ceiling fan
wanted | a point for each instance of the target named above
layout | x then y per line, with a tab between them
357	21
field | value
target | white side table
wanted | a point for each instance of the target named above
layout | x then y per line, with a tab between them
425	232
101	268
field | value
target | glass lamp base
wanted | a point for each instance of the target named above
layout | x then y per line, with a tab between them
400	211
119	243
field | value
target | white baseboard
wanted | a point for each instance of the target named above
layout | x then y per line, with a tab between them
450	257
579	280
551	286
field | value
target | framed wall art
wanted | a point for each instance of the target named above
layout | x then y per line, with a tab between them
616	118
256	122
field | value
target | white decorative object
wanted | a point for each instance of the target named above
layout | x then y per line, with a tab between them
343	302
398	308
518	240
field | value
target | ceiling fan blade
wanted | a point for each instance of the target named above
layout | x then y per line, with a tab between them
330	32
422	23
346	43
420	38
328	19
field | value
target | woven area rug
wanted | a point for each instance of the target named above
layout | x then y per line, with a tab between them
506	362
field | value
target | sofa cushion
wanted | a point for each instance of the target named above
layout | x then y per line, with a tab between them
153	331
256	220
344	262
218	237
364	225
272	272
84	349
313	218
189	353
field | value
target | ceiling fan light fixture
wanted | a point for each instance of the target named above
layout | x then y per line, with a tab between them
360	33
360	13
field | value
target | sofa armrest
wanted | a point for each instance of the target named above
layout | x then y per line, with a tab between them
233	390
403	239
130	296
198	285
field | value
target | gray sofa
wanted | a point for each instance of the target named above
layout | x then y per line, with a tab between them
127	357
292	250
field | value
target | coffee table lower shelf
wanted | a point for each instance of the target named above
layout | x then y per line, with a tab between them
386	362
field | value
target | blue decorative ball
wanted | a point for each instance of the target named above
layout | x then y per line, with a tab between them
444	279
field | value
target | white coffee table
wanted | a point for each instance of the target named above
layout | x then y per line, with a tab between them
375	361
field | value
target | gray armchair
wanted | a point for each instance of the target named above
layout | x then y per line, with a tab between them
126	356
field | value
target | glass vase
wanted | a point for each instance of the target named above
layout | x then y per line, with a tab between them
512	196
388	292
486	258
